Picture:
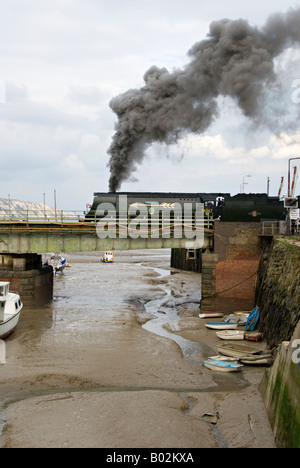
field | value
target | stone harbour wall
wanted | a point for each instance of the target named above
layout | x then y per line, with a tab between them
278	291
278	297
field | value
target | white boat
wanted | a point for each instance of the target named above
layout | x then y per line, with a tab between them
211	315
219	357
221	325
231	335
222	366
10	309
58	263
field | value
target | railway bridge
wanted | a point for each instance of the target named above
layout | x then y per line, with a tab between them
226	252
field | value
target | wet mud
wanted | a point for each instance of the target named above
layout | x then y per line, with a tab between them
116	360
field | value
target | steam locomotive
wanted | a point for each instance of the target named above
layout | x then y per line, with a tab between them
238	208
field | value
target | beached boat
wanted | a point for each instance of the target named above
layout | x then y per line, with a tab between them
240	319
231	334
221	325
10	309
58	263
258	360
253	336
219	357
222	366
238	349
253	319
108	257
211	315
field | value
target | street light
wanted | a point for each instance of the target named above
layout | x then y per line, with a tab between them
245	183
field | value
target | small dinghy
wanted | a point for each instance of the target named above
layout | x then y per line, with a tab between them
253	336
238	350
211	315
258	360
253	319
231	334
222	366
222	325
219	357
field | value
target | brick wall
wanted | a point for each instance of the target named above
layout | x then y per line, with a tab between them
238	247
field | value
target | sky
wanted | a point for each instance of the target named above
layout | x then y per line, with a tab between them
61	63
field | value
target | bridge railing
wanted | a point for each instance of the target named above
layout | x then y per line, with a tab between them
155	227
41	216
273	228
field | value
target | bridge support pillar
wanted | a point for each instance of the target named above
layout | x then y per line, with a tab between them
28	277
208	301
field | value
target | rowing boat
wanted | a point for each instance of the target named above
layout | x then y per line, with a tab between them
260	360
238	349
231	334
211	315
222	366
222	325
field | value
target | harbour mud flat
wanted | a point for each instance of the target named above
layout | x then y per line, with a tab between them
116	361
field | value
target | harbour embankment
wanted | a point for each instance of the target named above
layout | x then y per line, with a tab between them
278	295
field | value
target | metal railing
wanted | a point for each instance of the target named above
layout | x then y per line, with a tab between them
41	216
274	228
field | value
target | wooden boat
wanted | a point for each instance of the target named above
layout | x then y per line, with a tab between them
238	349
211	315
253	336
221	325
240	319
222	366
219	357
259	360
10	309
231	334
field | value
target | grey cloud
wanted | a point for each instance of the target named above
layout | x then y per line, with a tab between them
236	60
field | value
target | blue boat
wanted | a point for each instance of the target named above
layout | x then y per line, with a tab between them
222	366
253	319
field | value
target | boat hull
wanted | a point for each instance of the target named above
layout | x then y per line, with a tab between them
222	366
221	325
211	315
237	350
8	326
231	335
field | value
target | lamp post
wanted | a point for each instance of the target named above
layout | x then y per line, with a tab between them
245	183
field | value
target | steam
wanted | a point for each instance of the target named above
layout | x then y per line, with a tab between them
235	60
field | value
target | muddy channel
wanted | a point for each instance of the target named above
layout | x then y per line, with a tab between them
116	361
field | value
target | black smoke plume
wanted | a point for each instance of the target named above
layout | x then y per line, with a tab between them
235	60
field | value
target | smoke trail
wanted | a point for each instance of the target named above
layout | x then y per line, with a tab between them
235	60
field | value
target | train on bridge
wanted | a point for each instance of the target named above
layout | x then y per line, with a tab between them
238	208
